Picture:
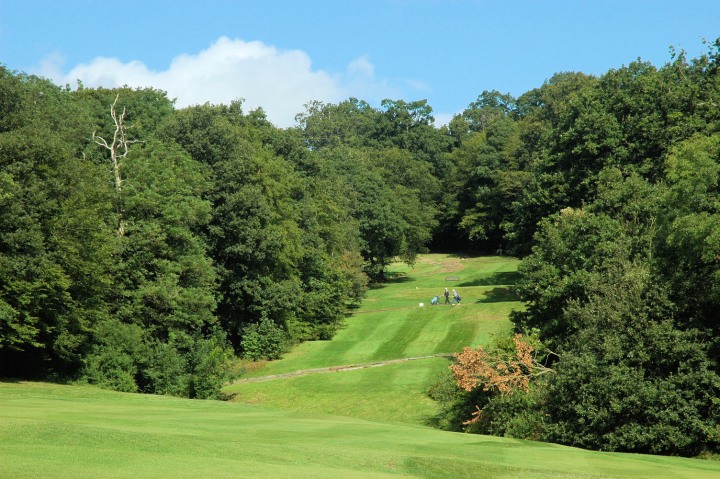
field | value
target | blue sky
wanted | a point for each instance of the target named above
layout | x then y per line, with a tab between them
281	54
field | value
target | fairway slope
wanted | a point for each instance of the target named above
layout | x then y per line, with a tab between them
334	369
84	432
413	343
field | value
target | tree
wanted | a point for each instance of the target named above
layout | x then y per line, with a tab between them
489	107
497	390
573	248
54	269
392	220
492	181
545	114
498	370
161	335
689	231
118	149
631	380
270	234
351	122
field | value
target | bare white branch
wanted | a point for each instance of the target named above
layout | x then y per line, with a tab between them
118	148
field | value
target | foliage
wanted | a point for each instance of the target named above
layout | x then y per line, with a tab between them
573	248
383	190
54	268
632	381
637	371
497	370
689	232
119	352
264	340
274	235
518	414
497	384
455	405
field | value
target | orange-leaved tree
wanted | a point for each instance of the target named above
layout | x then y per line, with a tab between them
498	370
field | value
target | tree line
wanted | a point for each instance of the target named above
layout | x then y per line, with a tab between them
143	246
608	188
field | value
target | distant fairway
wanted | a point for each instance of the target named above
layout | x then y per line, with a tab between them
391	325
84	432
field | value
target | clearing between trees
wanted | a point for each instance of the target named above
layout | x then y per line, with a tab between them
389	327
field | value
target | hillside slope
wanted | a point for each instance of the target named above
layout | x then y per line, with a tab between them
391	325
84	432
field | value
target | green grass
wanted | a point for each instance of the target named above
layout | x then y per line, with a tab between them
389	325
363	423
392	393
83	432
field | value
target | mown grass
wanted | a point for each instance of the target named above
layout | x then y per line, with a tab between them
83	432
389	325
392	393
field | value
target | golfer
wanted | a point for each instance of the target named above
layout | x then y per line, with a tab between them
456	297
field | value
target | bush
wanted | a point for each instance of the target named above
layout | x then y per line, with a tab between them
605	404
211	360
116	358
167	371
518	415
456	405
124	359
264	340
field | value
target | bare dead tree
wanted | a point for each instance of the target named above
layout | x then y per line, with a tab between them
118	148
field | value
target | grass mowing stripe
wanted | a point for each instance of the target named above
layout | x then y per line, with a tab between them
457	333
412	325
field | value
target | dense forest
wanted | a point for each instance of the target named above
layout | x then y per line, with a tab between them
142	246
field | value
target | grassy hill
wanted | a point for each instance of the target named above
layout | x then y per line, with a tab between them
391	325
364	422
84	432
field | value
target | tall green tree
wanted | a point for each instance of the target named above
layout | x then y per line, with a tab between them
54	268
689	232
253	235
392	220
630	380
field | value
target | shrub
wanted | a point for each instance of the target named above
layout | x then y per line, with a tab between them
264	340
210	361
114	361
456	405
518	415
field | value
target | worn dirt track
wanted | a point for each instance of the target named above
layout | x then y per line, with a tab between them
334	369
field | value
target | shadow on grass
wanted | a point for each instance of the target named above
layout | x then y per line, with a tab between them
391	278
503	277
10	380
499	295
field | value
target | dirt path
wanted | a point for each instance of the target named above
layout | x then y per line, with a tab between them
333	369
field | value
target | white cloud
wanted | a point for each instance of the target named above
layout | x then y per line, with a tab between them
279	81
362	67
